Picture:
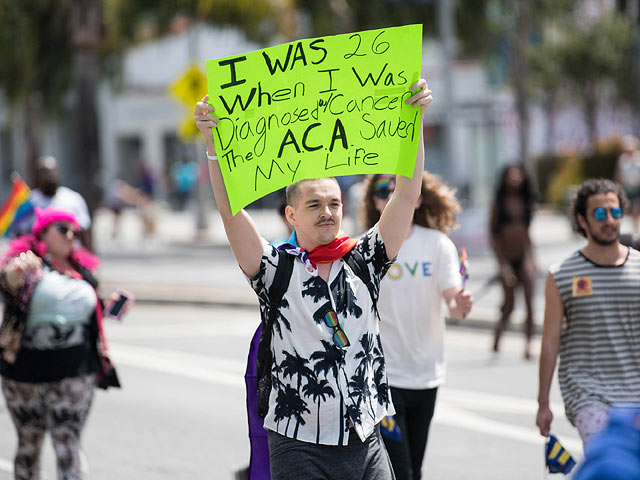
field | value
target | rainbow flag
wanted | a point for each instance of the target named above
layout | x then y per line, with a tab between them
464	267
16	206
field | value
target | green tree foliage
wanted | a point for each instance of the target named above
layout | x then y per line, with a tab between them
133	21
330	17
34	50
49	48
588	61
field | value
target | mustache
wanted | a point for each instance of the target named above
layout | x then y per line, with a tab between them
330	220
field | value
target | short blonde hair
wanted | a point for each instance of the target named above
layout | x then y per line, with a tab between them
293	191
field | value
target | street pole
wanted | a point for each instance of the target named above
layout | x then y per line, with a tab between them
202	222
446	30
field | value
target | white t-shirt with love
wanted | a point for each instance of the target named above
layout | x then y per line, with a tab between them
411	309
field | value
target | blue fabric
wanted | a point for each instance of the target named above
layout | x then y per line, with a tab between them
615	453
558	459
390	429
293	239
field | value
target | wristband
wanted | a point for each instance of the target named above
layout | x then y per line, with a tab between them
213	158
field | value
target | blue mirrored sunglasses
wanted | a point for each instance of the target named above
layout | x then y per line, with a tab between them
600	214
339	336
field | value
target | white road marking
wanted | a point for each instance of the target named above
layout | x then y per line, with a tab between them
456	406
491	402
215	329
461	418
6	466
216	370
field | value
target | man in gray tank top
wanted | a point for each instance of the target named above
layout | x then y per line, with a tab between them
592	317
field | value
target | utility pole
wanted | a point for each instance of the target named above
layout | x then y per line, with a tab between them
446	31
202	221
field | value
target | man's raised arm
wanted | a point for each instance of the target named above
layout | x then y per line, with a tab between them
244	238
398	214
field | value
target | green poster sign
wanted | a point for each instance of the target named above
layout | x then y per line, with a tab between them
314	108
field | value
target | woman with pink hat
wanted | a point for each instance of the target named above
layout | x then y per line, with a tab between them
52	349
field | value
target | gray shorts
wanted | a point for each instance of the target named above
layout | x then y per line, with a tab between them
292	459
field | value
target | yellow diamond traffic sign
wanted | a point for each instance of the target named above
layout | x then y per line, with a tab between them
188	131
190	87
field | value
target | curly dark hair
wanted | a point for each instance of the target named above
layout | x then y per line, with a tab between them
526	191
590	187
437	210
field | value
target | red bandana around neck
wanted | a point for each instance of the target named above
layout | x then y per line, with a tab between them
332	251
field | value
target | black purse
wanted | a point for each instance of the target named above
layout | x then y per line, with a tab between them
107	375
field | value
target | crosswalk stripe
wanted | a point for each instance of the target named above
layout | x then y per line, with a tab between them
491	401
456	407
6	465
461	418
196	367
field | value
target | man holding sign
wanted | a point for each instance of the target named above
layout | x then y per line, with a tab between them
328	373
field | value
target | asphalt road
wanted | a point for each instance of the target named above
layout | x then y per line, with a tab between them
181	413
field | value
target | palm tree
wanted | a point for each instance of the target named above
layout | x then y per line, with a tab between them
290	404
366	244
295	365
281	319
318	315
367	354
358	391
276	383
318	389
367	357
354	412
281	411
379	374
344	296
298	408
315	287
329	360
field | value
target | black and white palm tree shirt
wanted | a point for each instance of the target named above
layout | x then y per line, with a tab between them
319	390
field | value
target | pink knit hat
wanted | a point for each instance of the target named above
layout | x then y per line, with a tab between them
49	215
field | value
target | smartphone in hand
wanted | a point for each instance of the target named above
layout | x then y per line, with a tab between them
116	308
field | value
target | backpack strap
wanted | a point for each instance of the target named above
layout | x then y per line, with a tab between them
281	279
358	264
278	288
264	357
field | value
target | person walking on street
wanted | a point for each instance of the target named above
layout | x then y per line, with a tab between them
51	341
328	372
592	317
412	325
511	215
50	193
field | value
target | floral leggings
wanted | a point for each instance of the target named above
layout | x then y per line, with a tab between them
59	407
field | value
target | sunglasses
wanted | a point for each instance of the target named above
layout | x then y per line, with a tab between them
383	189
339	336
600	214
64	229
